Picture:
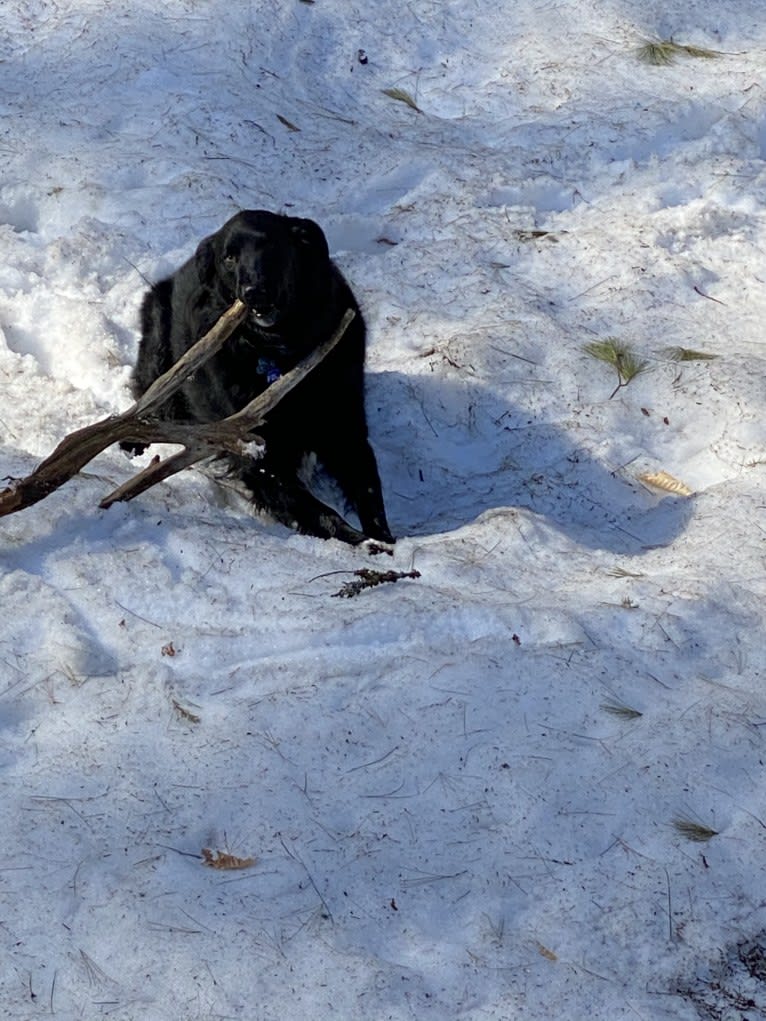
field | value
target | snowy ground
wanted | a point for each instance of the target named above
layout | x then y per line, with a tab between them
446	820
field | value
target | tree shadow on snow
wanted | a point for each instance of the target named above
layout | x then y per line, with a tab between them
451	450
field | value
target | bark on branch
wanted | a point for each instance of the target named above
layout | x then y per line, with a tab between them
139	424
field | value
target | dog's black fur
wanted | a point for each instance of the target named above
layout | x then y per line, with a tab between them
281	268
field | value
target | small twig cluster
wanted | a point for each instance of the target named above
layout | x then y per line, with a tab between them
369	578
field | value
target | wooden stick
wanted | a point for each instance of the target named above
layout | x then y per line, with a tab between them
167	384
137	424
232	433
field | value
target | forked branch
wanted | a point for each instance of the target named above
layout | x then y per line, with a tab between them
140	425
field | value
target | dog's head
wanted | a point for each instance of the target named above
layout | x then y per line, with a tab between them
275	264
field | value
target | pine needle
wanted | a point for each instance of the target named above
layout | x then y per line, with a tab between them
184	713
625	712
700	51
692	830
535	235
687	354
402	96
658	54
545	952
621	356
663	52
288	124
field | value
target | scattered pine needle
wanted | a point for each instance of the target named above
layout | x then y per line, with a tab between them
700	51
549	955
687	354
288	124
663	52
402	96
224	861
623	572
620	356
535	235
625	712
369	578
666	482
185	714
658	54
694	830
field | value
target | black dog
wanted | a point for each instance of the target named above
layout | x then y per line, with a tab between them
281	268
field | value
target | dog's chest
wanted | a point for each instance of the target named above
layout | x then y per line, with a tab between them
246	367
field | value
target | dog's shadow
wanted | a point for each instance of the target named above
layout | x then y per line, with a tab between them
449	451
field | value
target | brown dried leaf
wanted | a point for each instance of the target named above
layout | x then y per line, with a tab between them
225	861
545	952
668	483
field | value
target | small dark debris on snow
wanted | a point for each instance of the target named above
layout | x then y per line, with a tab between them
734	986
369	578
376	548
288	124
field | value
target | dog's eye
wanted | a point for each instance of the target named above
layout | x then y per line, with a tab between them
229	260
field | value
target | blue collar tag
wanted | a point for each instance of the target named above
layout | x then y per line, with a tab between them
268	369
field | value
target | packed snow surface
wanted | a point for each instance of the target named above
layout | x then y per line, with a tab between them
469	795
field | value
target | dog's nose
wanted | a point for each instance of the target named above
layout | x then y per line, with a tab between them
254	297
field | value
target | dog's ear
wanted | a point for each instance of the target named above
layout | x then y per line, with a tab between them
205	259
309	233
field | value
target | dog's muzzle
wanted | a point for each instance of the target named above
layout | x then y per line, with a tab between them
265	316
263	312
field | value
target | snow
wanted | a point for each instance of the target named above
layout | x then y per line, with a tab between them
446	820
